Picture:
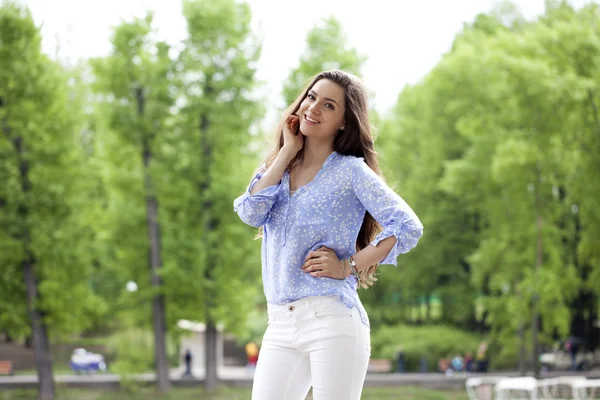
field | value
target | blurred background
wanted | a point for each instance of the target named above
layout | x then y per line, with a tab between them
127	129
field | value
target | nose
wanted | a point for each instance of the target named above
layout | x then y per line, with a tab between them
313	107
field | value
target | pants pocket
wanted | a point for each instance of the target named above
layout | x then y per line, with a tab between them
277	316
331	307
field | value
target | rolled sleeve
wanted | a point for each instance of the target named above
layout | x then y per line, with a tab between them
389	210
254	209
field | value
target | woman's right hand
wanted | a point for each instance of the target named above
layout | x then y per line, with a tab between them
293	139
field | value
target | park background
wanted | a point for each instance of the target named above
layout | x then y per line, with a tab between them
119	162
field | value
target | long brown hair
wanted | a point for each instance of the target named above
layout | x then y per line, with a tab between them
356	139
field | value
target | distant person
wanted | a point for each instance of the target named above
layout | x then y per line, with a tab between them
188	363
443	364
468	362
572	347
251	355
457	363
327	220
400	360
482	357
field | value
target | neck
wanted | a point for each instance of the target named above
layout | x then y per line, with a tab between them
315	153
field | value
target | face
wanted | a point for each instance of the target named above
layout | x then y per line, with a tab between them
322	111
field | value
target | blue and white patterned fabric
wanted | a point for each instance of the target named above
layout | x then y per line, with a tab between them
328	211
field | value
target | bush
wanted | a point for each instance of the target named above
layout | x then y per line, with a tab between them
430	341
133	350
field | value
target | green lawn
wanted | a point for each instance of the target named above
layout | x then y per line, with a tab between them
395	393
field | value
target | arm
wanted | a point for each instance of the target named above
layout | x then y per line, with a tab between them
273	175
254	205
373	254
402	229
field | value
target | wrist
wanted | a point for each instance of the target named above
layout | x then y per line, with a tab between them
353	269
345	268
287	154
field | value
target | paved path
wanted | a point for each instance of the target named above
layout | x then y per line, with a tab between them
239	376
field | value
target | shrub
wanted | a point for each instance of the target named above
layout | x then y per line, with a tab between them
430	341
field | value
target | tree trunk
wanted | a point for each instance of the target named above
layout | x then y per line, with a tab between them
158	300
211	378
427	308
522	350
539	260
41	346
536	320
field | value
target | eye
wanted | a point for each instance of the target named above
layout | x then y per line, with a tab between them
310	96
329	105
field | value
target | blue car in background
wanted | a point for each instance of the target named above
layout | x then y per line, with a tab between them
85	361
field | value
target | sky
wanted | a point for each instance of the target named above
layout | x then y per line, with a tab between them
403	39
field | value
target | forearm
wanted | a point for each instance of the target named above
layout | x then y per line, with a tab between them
374	254
275	172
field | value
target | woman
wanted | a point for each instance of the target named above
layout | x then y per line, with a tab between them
321	203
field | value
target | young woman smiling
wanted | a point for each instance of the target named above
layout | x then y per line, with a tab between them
328	219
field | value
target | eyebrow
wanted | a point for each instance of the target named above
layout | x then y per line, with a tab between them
326	98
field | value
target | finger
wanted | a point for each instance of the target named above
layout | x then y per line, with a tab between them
313	268
312	254
320	253
320	273
312	262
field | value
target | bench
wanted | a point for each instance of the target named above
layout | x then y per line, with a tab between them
6	368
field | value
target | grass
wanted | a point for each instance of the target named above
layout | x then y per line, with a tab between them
224	393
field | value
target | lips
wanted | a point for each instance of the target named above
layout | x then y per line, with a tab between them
311	120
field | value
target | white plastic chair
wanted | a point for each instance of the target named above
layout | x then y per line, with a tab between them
524	387
585	389
475	383
560	387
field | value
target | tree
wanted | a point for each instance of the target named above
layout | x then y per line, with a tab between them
45	241
207	164
135	81
497	144
514	113
327	48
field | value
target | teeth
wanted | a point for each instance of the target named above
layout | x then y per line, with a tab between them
311	120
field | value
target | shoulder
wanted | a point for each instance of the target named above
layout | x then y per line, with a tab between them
355	166
351	162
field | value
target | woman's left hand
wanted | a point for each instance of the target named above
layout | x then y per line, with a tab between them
324	262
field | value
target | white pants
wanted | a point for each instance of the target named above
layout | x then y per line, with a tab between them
315	341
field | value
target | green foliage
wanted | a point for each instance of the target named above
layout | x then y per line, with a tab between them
491	142
133	351
44	192
497	149
210	152
327	47
430	341
207	255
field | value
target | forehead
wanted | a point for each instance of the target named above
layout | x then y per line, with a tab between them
330	89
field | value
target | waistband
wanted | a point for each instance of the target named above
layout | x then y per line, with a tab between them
304	303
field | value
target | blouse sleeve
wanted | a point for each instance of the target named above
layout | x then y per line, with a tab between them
254	209
389	210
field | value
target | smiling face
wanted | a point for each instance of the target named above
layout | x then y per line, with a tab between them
323	109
